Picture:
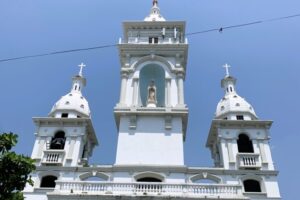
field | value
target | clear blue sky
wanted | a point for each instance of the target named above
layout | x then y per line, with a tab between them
264	58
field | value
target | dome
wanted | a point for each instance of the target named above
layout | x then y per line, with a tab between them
72	103
233	104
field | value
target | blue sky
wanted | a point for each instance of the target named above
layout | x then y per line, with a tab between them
264	59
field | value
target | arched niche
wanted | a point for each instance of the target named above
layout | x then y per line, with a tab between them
149	177
153	59
156	73
206	178
98	176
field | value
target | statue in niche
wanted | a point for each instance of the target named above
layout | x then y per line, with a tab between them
151	100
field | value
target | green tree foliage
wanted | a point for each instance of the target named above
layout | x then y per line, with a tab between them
14	169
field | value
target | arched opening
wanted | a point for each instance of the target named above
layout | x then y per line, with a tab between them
245	144
58	141
48	182
152	76
149	179
252	186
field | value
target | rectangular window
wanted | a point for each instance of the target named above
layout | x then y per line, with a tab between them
64	115
153	40
240	117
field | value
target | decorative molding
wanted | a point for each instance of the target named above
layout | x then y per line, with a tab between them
132	122
168	122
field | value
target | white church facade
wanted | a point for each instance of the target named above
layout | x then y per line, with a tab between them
151	118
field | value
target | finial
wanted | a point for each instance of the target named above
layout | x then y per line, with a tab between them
155	2
226	66
82	65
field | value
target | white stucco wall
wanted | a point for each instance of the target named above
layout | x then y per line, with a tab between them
150	143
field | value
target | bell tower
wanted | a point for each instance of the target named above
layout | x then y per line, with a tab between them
151	115
238	140
66	137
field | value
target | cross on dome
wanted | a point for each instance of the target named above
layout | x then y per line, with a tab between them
226	66
82	65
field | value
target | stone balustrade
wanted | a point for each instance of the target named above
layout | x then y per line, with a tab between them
152	189
248	160
53	156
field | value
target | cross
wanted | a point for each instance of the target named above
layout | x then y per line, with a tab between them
82	65
226	66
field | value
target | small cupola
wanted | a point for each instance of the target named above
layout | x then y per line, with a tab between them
154	13
232	106
73	104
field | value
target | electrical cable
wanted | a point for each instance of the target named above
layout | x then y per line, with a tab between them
221	29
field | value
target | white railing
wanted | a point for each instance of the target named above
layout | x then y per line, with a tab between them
53	156
145	40
139	188
248	160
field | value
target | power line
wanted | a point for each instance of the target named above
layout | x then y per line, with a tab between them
245	24
58	52
221	29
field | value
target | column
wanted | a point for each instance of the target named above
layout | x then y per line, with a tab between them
124	77
40	142
168	92
180	88
135	92
262	152
71	142
230	151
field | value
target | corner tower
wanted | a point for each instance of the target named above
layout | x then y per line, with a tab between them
66	137
239	141
151	115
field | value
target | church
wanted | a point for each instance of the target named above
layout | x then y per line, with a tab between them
151	118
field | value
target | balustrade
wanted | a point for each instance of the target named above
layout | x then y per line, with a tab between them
53	157
248	160
140	188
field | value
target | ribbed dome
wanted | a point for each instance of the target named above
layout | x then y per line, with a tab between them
232	106
72	102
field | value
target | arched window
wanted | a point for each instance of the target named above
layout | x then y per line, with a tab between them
148	179
48	182
244	144
252	186
58	141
